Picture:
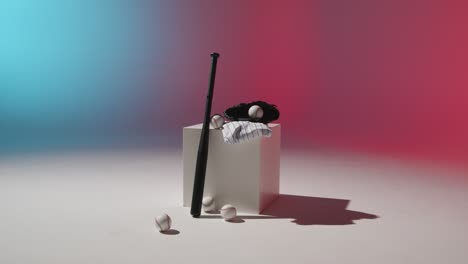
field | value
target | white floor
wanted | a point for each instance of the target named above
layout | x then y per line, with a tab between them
100	208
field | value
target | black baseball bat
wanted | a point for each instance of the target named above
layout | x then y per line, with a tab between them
202	157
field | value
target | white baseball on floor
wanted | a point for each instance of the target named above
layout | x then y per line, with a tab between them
163	222
255	112
217	121
209	204
228	212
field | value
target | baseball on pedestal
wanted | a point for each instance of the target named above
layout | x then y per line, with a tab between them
255	112
217	121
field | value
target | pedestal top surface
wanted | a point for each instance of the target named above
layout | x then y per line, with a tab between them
200	125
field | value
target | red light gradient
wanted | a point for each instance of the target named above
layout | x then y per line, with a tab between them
372	76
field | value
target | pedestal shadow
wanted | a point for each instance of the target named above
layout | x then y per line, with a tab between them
307	210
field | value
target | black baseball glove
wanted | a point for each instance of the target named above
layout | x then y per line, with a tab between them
240	112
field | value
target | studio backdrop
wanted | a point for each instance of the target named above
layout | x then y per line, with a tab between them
384	77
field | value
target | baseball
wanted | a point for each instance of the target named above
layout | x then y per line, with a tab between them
228	212
208	204
163	222
217	121
255	112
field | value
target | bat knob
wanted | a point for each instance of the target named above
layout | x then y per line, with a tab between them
214	55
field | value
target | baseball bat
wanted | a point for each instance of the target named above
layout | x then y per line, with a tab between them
202	157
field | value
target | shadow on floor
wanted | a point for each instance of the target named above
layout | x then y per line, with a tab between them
170	232
305	210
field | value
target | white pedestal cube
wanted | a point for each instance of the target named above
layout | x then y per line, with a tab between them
245	175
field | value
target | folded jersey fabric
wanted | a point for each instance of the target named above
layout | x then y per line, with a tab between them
240	131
